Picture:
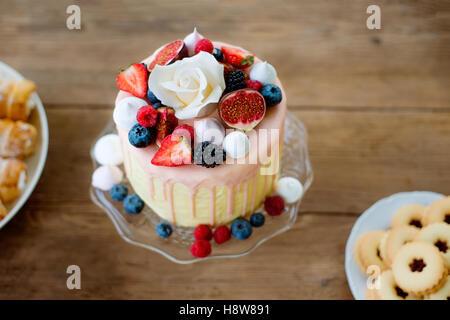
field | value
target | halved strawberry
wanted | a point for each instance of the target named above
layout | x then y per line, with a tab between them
238	58
133	80
175	151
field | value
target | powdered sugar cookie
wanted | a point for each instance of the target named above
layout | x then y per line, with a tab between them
409	215
443	293
396	239
439	235
369	250
389	289
419	268
438	211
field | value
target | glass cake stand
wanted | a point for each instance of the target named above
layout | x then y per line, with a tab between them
140	229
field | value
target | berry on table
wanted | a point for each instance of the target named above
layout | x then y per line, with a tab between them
164	230
274	205
133	80
118	192
272	94
222	234
133	204
234	80
218	54
147	116
141	137
151	97
257	219
253	84
204	45
241	229
201	249
202	232
208	154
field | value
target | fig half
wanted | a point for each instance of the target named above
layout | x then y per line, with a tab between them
171	52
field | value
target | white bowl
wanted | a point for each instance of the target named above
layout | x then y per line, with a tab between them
36	161
378	217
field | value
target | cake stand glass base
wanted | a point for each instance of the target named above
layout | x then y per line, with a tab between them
140	229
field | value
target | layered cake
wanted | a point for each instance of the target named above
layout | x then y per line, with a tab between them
200	127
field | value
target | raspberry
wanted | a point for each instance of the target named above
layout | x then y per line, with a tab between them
234	80
147	116
202	232
201	249
253	84
274	205
204	45
222	234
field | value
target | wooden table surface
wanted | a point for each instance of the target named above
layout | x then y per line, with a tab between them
376	104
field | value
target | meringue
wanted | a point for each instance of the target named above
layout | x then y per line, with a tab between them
236	144
264	72
107	150
209	129
191	40
105	177
126	110
290	189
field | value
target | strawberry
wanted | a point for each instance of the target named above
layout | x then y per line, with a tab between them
237	57
175	151
133	80
185	130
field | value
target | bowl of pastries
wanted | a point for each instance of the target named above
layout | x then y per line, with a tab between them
23	141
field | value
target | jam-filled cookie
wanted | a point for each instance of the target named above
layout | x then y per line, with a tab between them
383	248
367	250
409	215
439	211
389	289
419	268
396	239
443	293
439	235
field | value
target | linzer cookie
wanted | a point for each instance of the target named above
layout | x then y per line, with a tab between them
368	250
442	294
439	211
389	289
409	215
396	238
439	235
419	268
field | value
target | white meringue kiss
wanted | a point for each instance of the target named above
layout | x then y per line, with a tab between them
107	150
264	72
236	144
192	86
126	110
290	189
191	40
105	177
209	129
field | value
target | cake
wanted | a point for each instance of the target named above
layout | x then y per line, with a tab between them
191	194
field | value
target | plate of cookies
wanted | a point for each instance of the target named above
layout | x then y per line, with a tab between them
23	141
399	249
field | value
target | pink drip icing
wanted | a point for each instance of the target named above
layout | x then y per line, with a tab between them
230	200
193	192
164	191
151	187
170	199
213	205
244	207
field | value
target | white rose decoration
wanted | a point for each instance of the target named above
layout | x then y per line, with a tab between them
192	86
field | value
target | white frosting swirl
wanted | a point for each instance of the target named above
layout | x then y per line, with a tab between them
264	72
191	40
192	86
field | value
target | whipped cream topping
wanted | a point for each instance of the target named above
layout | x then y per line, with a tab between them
236	144
191	86
264	72
108	151
191	40
290	189
105	177
209	129
126	110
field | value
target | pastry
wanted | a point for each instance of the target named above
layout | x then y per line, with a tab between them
17	139
389	289
409	215
367	249
442	294
439	211
14	99
419	268
396	239
13	177
439	235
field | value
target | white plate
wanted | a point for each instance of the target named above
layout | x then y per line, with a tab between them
378	217
35	162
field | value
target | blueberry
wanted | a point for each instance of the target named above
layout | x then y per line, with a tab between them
151	97
141	137
257	219
144	64
118	192
133	204
164	229
157	105
272	94
241	229
218	54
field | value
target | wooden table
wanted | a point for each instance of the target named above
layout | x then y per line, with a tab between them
376	104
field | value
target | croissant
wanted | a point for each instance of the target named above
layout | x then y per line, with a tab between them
17	139
14	99
3	211
13	177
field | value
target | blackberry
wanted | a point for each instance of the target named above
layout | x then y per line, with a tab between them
207	154
234	80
